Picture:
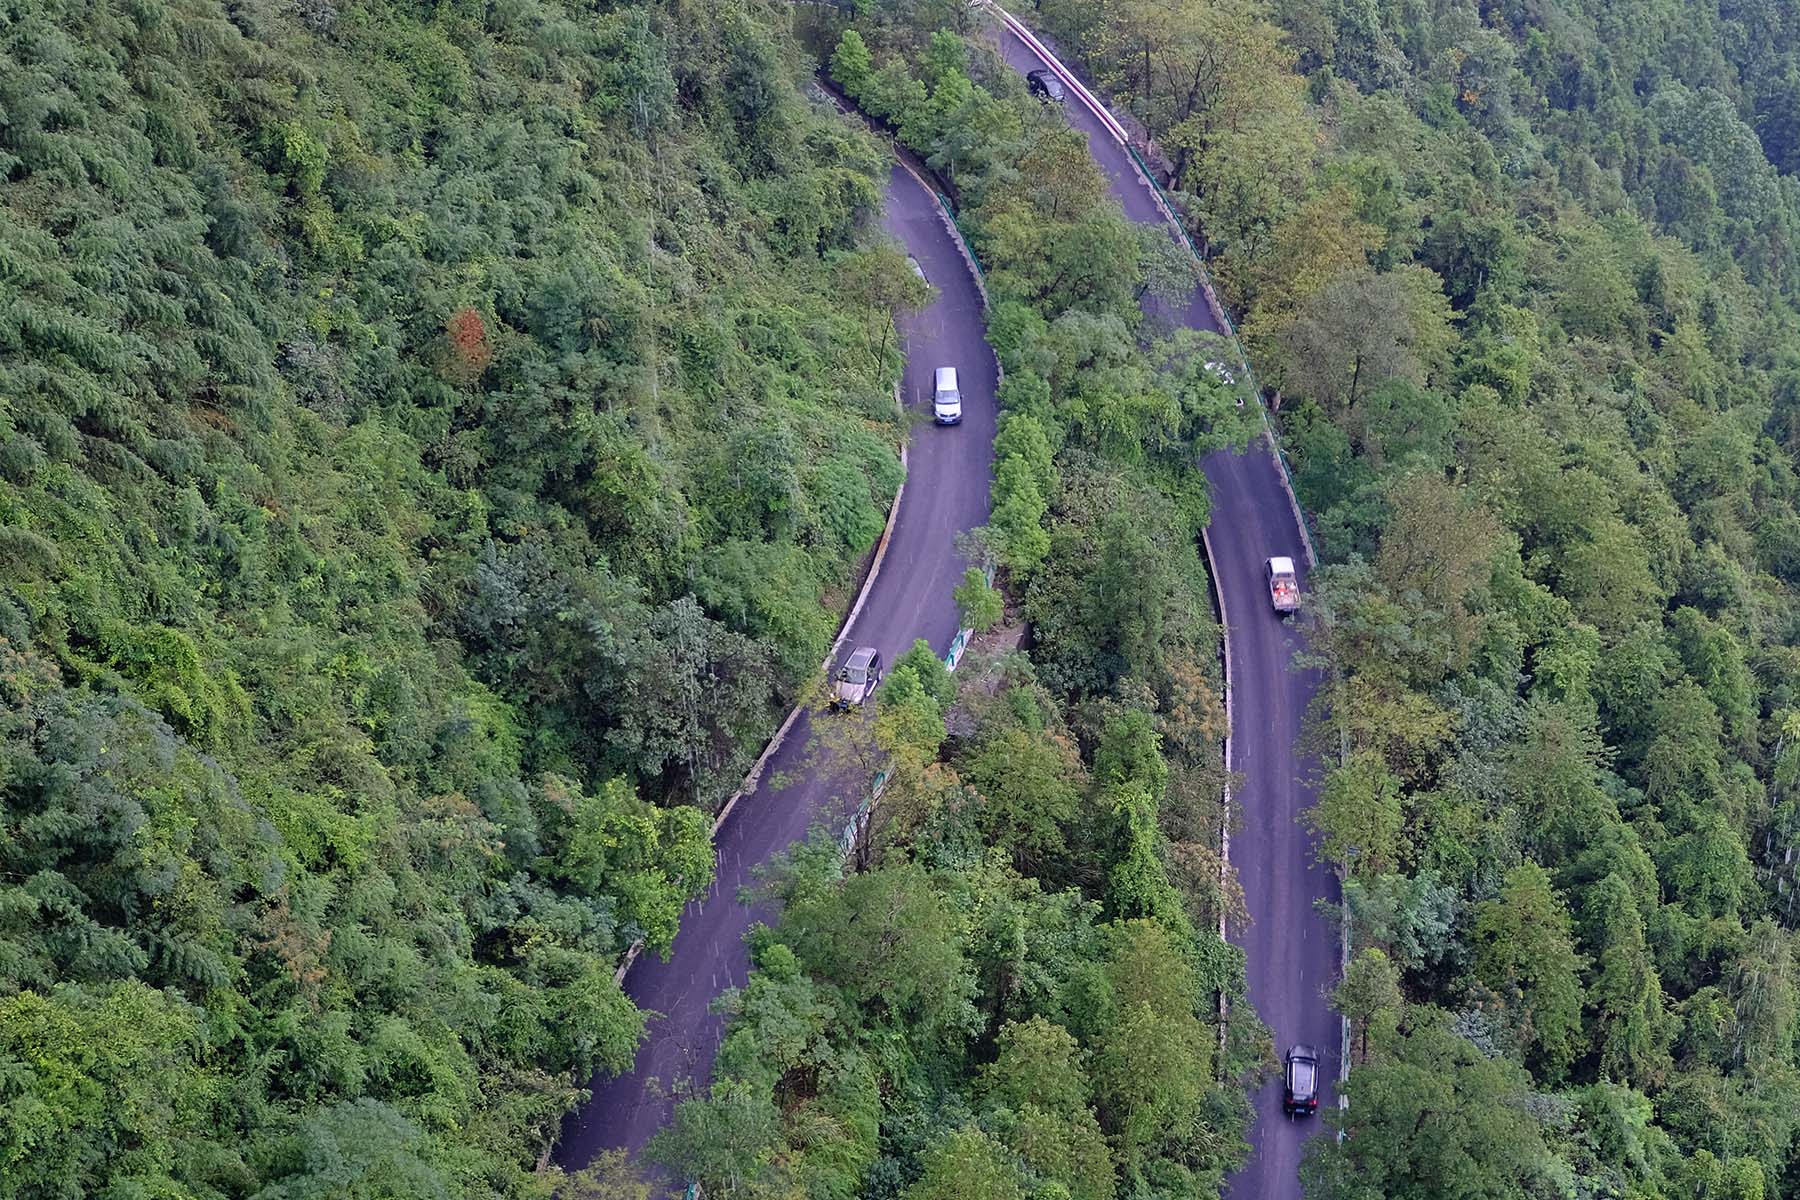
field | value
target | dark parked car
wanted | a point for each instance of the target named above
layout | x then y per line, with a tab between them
1300	1094
857	678
1045	85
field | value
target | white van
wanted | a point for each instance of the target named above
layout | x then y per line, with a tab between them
946	404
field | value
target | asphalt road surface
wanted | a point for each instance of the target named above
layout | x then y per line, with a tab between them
949	472
1291	949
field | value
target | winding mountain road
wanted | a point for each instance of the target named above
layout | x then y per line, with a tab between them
1291	949
949	474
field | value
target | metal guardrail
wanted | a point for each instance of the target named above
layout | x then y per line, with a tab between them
854	826
958	644
950	211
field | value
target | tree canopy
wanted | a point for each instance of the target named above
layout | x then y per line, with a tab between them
1527	289
431	455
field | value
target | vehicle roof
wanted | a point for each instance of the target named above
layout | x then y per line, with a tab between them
861	656
1280	563
944	373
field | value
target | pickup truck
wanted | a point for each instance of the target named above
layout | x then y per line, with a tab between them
1284	588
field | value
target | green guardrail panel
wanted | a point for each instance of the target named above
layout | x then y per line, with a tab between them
961	233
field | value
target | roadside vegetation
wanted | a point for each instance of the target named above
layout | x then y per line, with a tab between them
1525	278
434	448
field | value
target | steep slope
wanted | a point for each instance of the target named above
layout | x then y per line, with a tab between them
434	444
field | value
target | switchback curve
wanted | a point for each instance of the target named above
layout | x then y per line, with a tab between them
950	471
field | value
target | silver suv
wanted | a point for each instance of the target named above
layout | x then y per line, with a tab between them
857	678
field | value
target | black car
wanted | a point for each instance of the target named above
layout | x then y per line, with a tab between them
1300	1093
1045	85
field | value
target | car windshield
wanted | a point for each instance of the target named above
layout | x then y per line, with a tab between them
855	675
1301	1072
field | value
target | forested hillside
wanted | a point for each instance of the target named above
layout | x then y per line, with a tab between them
435	444
1524	275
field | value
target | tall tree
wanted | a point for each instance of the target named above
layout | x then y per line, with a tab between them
1361	330
1435	1118
1525	951
968	1164
1215	84
1437	551
1358	819
1369	996
1626	997
1764	994
1150	1054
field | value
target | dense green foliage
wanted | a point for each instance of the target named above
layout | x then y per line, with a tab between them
1526	275
1016	993
1011	991
431	447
